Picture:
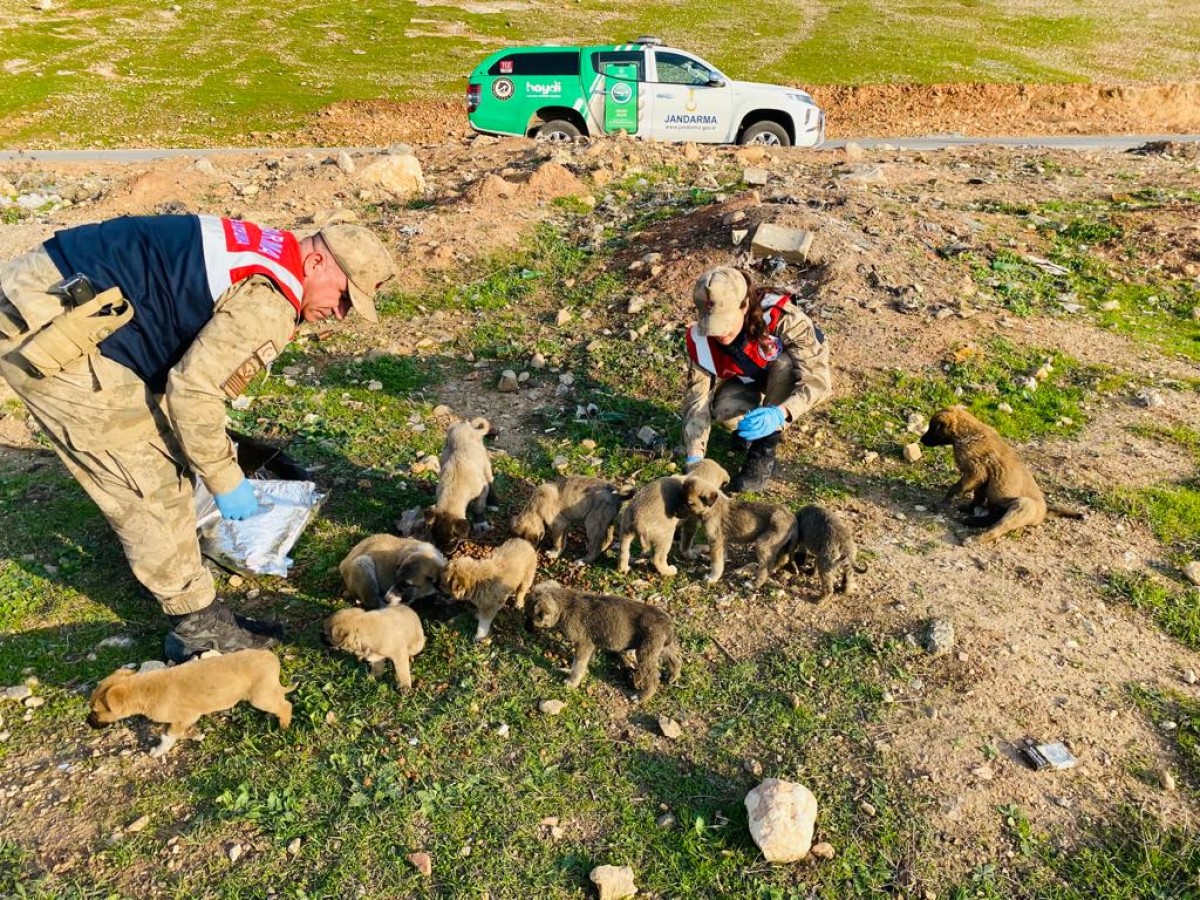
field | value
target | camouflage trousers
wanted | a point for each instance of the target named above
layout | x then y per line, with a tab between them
113	436
733	398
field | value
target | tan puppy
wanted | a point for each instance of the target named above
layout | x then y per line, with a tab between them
465	482
556	506
655	511
384	570
393	633
486	583
772	529
825	535
182	694
590	621
992	475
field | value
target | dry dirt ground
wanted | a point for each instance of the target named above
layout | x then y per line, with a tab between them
1040	652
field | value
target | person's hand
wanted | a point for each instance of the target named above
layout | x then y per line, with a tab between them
758	423
240	503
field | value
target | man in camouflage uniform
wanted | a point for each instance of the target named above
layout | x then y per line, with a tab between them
754	384
214	301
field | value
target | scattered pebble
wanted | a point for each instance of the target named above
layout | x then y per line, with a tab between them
670	728
137	824
422	862
552	707
293	846
235	853
822	850
613	882
1167	780
867	808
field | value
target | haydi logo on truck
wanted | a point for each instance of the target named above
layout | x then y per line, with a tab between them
643	88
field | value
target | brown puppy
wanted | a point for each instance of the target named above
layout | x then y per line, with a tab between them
393	633
182	694
992	475
384	570
825	535
555	507
465	482
772	529
486	583
591	621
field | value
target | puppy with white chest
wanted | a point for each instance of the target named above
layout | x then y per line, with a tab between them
385	570
487	583
375	636
600	621
825	535
180	695
556	506
465	484
772	529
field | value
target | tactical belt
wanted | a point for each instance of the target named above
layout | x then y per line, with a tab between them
76	333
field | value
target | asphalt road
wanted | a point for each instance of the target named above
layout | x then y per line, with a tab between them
933	142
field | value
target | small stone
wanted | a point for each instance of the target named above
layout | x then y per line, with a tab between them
566	379
345	163
613	882
293	846
1004	408
1110	305
537	361
822	850
34	702
422	862
868	809
1189	676
666	820
753	767
1150	398
236	581
502	730
235	853
17	692
670	728
782	816
791	244
1167	780
563	317
121	641
552	707
984	773
560	463
755	175
912	452
508	382
939	637
137	824
1192	572
374	385
647	435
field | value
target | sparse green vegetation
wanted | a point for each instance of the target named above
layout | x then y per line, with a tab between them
1176	609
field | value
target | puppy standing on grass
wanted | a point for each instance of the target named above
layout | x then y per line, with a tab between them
486	583
393	633
465	483
772	529
182	694
825	535
992	475
384	570
555	507
590	621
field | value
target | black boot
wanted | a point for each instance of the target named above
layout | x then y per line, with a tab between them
216	628
759	465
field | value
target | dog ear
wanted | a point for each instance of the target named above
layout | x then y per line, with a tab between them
460	529
337	634
430	516
709	496
114	698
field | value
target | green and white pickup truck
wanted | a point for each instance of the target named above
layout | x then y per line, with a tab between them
643	88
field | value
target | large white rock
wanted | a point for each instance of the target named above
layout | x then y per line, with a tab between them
613	882
398	175
782	818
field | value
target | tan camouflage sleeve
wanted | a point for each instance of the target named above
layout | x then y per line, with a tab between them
252	324
697	410
814	380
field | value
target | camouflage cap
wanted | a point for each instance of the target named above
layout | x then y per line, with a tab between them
360	253
719	295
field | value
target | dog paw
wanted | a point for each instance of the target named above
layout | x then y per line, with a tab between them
711	578
668	570
553	554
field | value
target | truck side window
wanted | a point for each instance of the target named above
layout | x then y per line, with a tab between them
675	68
626	57
557	62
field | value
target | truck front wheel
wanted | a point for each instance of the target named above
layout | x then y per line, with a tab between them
770	133
558	130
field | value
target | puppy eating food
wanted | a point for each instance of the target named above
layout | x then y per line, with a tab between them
180	695
992	475
465	483
826	536
772	529
590	621
555	507
486	583
393	633
384	570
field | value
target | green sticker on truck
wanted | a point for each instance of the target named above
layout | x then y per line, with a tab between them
620	98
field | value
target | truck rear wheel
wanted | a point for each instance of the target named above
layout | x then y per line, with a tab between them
770	133
558	130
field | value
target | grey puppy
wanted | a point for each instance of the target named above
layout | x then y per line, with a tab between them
654	513
825	535
385	570
556	506
465	483
590	621
772	529
487	583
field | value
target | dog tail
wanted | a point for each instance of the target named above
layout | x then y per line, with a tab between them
1063	512
480	424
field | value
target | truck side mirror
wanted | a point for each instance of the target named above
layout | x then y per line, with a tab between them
716	81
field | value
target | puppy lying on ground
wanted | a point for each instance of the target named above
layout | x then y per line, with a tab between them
555	507
182	694
486	583
465	483
393	633
654	513
772	529
590	621
992	475
384	570
825	535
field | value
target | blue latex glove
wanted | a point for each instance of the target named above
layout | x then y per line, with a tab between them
691	462
240	503
758	423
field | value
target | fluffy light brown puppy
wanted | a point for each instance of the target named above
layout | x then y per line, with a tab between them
487	583
772	529
385	570
182	694
992	475
590	621
556	506
465	483
393	633
825	535
654	513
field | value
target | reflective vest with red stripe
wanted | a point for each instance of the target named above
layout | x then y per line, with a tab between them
710	355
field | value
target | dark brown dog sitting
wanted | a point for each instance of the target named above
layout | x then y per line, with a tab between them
993	476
